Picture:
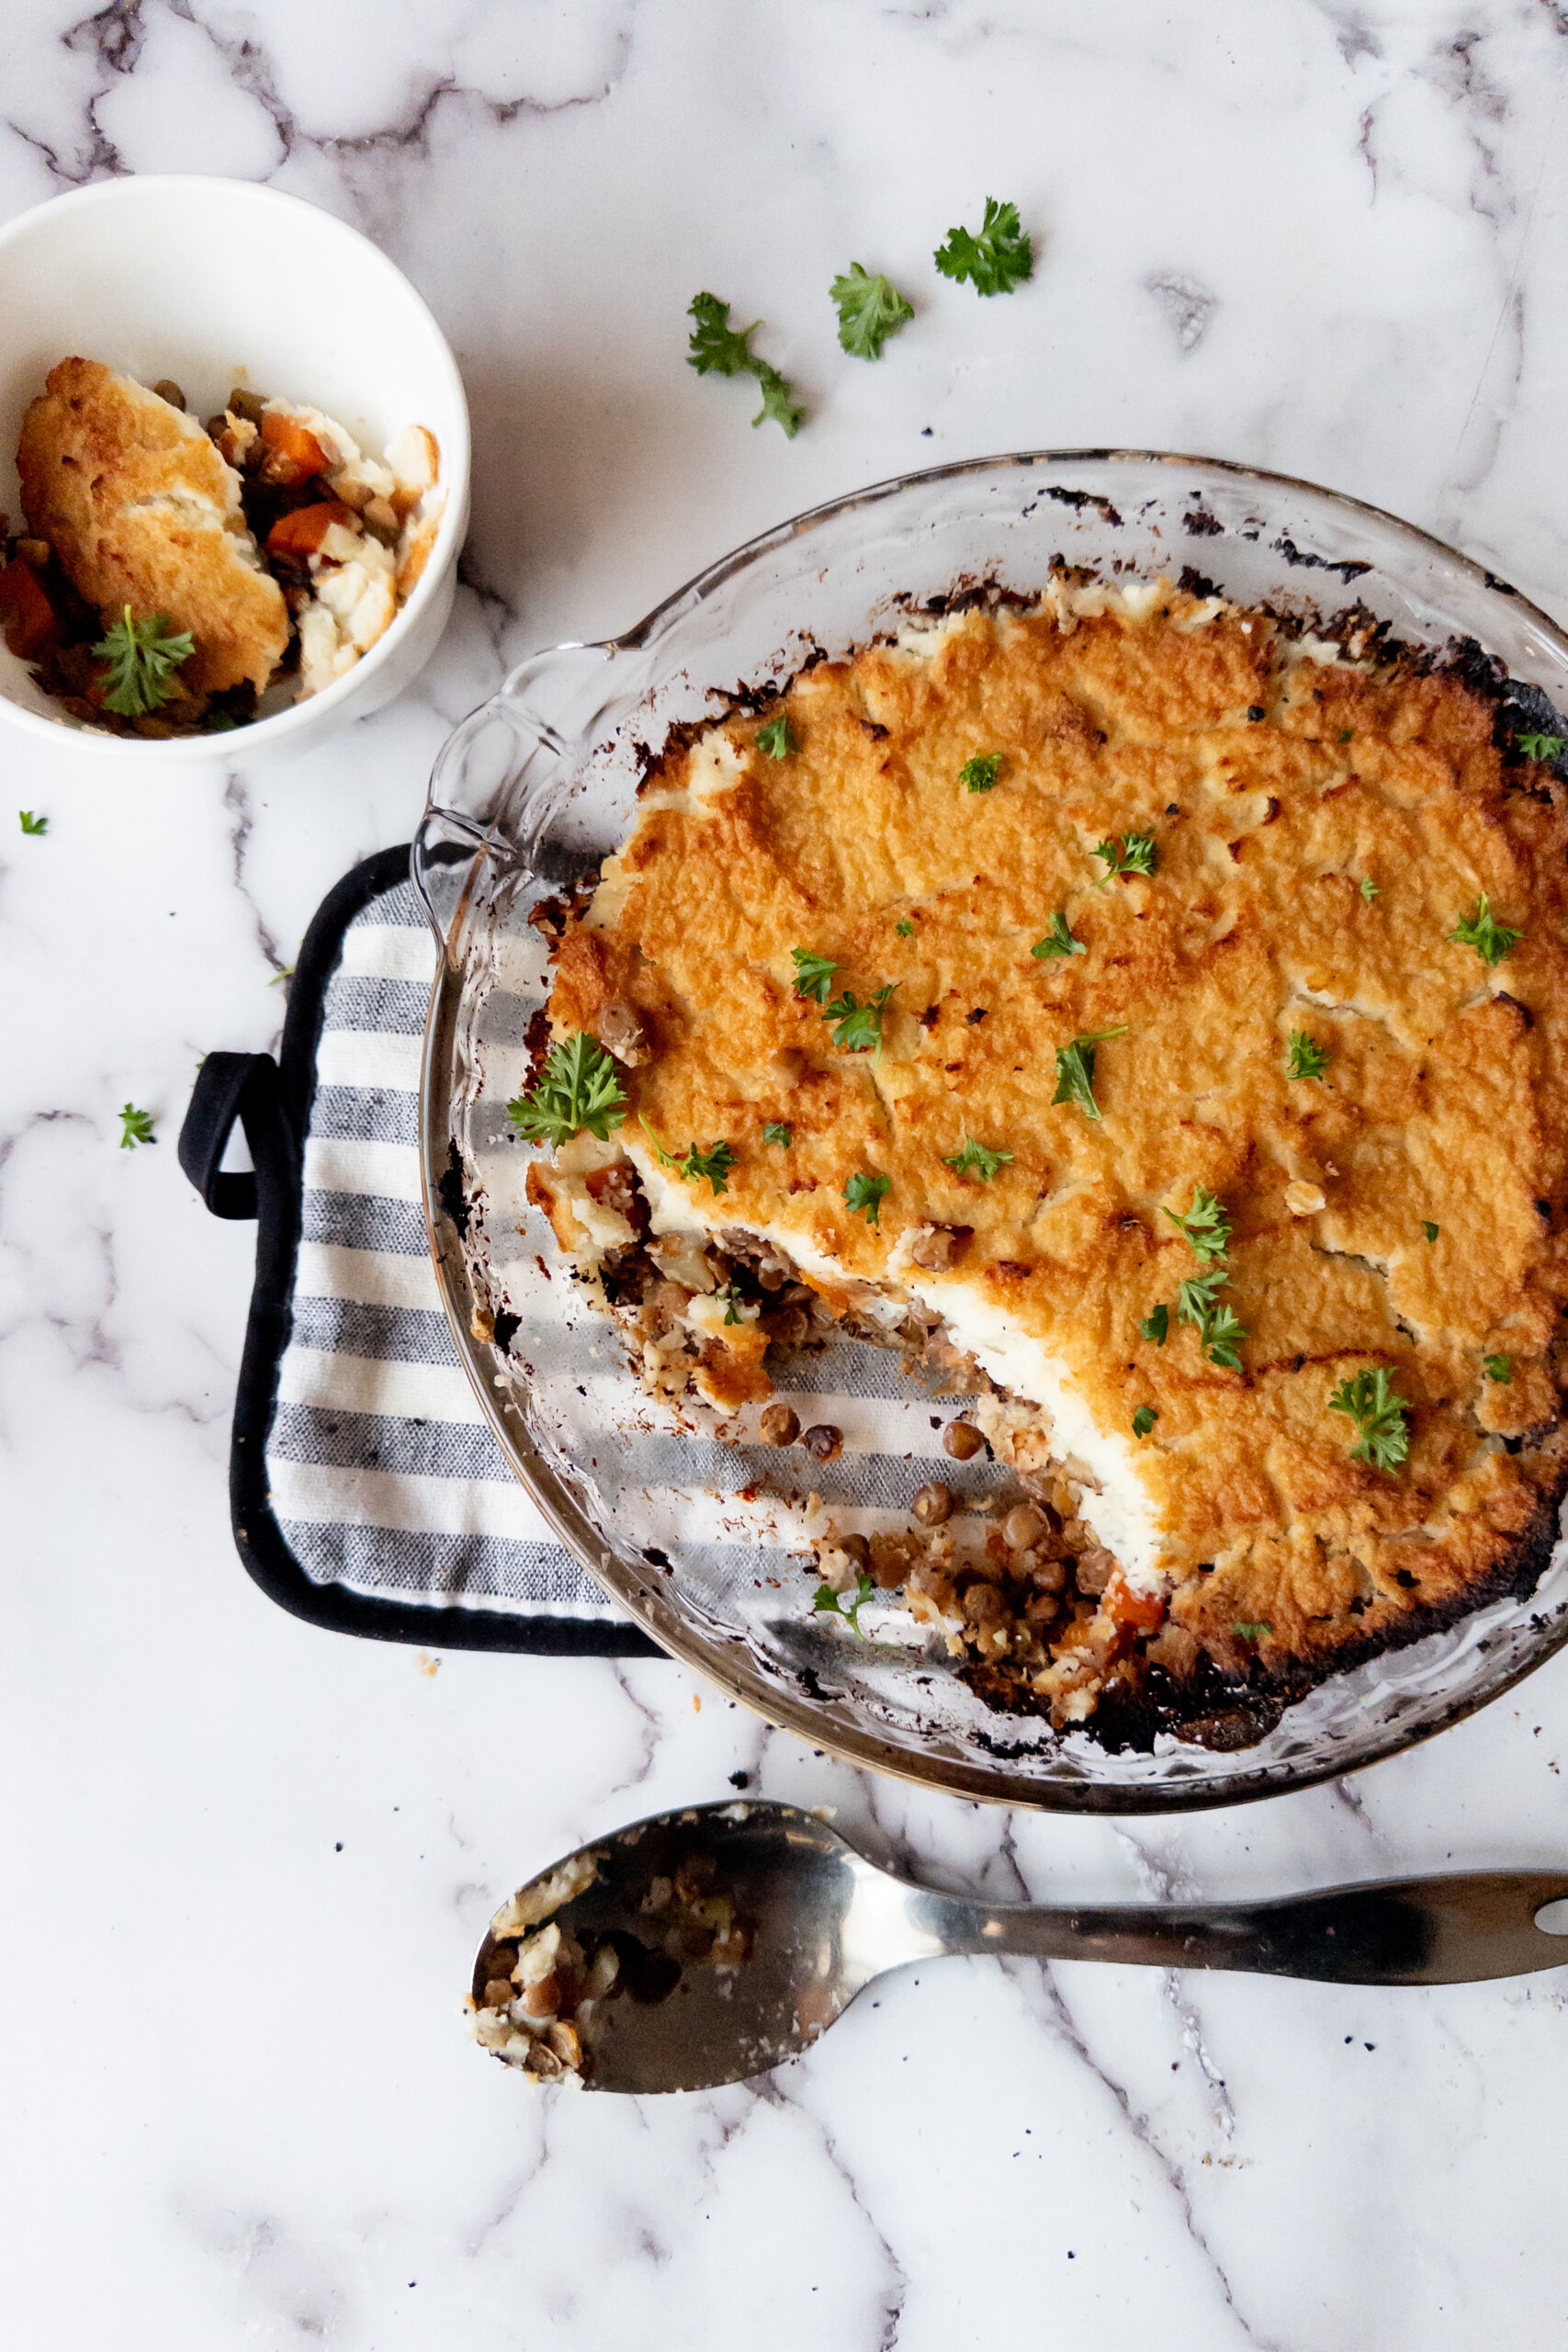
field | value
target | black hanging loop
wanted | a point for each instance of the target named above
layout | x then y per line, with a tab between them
228	1087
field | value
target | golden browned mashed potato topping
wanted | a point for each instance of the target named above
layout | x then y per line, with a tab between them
1163	1018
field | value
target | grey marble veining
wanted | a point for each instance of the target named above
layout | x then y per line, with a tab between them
247	1862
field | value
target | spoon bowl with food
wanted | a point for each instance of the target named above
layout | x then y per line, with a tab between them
706	1945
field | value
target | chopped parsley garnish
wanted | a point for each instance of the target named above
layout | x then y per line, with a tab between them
975	1161
980	772
1251	1630
1382	1419
1126	854
718	349
995	261
32	824
858	1027
1205	1224
1540	747
1498	1368
1305	1057
1429	1228
1368	889
135	1127
694	1163
1219	1333
1058	940
1075	1070
833	1604
1492	941
1155	1327
1144	1421
731	1297
777	738
813	974
142	658
778	1131
716	1164
904	930
867	1194
280	979
578	1088
870	310
1346	733
778	400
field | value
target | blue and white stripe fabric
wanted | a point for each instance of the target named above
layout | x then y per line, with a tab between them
384	1475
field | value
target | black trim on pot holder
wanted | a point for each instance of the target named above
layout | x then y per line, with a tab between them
271	1101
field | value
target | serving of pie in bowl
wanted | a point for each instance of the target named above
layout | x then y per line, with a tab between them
1045	1109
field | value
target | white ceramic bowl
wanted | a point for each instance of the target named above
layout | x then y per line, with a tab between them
210	282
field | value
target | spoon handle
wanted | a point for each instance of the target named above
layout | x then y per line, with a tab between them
1447	1930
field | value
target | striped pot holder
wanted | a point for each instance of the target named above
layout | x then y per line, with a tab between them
366	1490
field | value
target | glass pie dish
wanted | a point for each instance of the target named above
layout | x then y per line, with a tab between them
706	1542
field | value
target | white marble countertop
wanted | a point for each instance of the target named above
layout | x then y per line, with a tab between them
247	1862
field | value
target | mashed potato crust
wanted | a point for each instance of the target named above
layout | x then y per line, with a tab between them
1321	826
142	510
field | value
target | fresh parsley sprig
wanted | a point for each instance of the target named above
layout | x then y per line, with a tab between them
904	928
870	310
1058	940
142	658
1156	1326
578	1088
135	1127
1126	854
1204	1224
780	1132
975	1161
1304	1056
994	261
1251	1630
980	774
777	738
1144	1421
716	1164
32	824
694	1163
858	1027
1075	1070
1540	747
1499	1368
1369	889
813	974
779	403
1492	941
1219	1335
715	348
867	1194
833	1604
1380	1416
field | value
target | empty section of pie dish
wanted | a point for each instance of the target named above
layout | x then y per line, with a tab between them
707	1543
209	284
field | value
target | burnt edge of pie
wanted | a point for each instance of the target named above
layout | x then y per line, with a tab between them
1209	1709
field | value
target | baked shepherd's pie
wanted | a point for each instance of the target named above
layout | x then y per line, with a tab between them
1154	1017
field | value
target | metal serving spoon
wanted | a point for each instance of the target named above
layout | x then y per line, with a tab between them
804	1923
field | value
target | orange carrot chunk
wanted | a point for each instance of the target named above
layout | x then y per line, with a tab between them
1140	1612
293	452
301	533
32	624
